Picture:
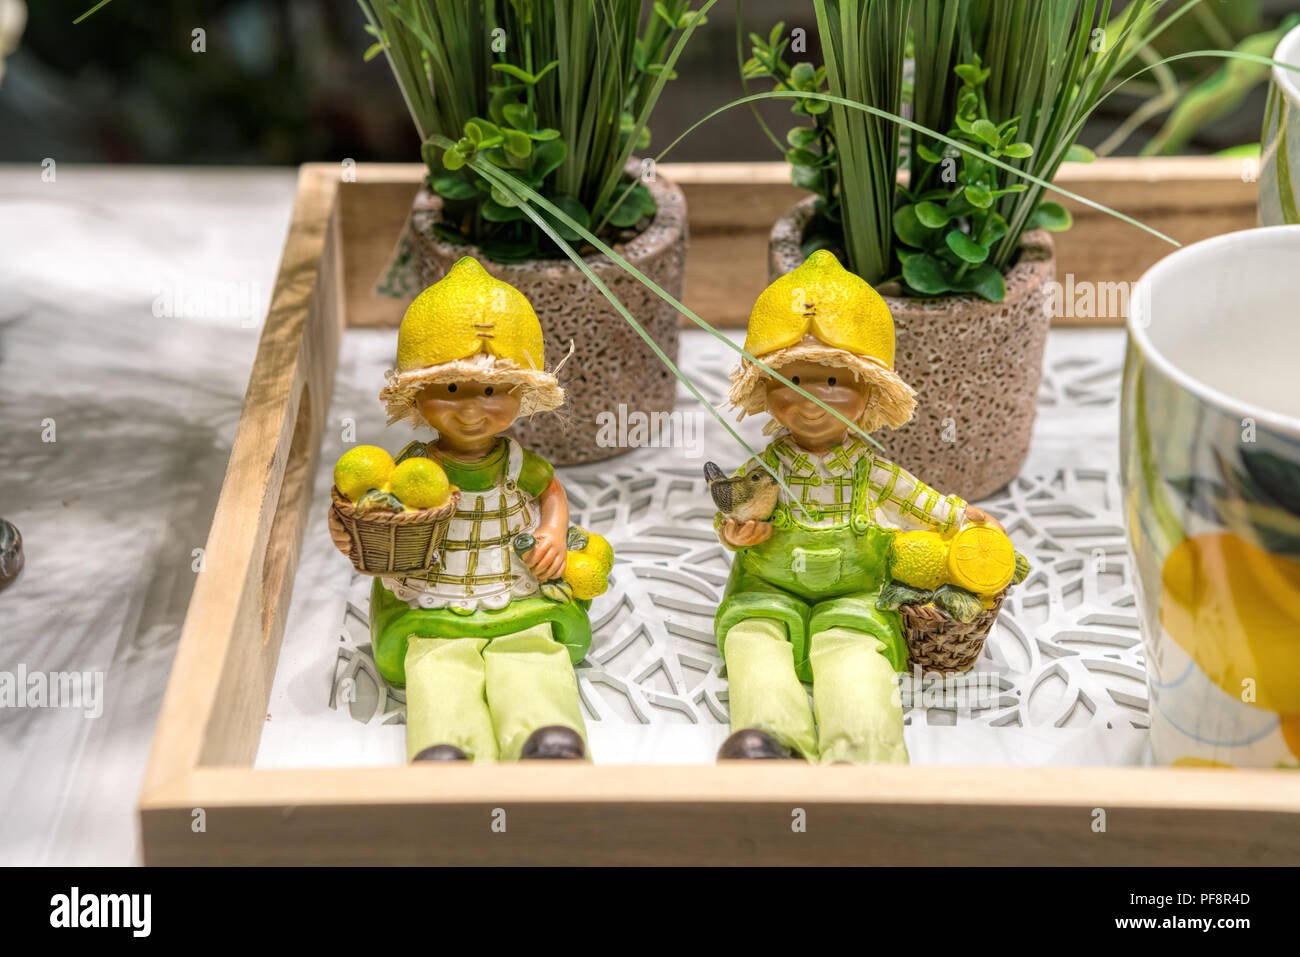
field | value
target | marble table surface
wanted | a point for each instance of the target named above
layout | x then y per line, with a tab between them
129	305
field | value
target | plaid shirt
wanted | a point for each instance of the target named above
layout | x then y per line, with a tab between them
477	565
824	485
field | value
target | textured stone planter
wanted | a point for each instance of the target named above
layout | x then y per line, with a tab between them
975	365
611	365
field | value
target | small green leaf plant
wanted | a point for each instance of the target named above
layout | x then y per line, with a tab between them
511	139
558	98
955	227
810	146
947	224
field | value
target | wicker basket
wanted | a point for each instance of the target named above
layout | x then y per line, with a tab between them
390	543
938	643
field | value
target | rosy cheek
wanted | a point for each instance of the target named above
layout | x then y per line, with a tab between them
433	412
806	406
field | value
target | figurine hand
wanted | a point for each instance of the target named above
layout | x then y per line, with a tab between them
739	534
974	514
546	559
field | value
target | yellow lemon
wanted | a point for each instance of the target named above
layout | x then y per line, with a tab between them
360	469
824	299
420	483
586	575
600	549
919	559
465	313
1291	732
1190	761
981	559
1235	609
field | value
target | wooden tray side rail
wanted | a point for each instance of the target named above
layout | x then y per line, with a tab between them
734	815
215	706
733	206
221	679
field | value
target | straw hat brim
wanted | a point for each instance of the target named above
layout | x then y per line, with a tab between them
890	401
538	391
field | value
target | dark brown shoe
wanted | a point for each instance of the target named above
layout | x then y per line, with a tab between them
751	744
554	743
441	752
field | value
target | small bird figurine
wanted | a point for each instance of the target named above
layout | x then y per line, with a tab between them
747	497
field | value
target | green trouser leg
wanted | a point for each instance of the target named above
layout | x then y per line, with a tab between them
765	692
530	684
445	702
855	690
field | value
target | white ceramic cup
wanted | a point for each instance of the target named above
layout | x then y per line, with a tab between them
1279	168
1210	457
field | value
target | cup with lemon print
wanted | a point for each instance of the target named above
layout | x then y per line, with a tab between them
1210	463
390	516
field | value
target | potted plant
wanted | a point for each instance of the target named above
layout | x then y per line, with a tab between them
557	96
958	244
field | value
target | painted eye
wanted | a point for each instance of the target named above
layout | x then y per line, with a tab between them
831	380
795	380
487	391
452	387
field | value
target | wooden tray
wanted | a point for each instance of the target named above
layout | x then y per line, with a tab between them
203	802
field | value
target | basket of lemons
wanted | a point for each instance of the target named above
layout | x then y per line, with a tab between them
949	591
390	517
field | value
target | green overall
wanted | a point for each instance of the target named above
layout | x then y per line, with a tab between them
801	606
486	680
484	671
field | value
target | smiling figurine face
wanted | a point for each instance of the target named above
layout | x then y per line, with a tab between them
812	426
468	415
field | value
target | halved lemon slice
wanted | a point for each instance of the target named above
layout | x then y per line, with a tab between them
981	559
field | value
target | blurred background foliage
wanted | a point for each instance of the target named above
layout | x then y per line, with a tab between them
283	82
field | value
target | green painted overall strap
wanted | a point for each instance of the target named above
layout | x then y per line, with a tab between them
860	515
781	514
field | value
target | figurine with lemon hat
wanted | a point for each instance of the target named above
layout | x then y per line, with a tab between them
803	601
486	638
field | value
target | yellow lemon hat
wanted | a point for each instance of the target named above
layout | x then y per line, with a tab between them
823	313
470	326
